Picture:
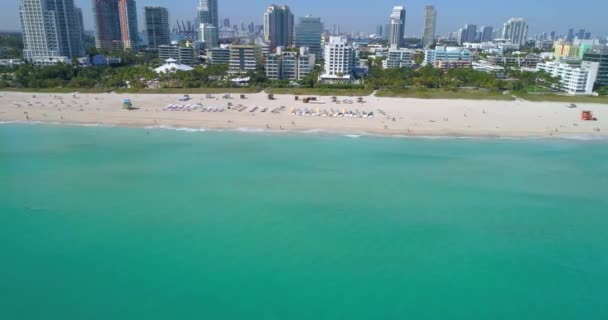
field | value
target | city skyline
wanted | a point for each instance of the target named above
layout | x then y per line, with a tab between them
363	17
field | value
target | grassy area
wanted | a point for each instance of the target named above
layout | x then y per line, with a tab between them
321	91
444	94
191	90
562	98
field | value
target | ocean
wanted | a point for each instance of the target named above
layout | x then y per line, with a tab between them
128	223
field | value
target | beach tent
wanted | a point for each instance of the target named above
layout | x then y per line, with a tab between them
171	65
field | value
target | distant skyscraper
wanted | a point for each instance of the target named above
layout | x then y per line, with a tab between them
430	21
278	26
157	26
461	36
570	35
386	31
208	12
115	24
50	28
209	35
308	34
379	31
335	30
486	33
127	10
78	12
581	34
471	31
397	27
516	31
226	23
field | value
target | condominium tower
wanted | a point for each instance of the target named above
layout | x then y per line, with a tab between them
51	28
430	20
208	13
115	24
157	26
397	27
486	33
339	60
209	23
278	26
307	33
516	31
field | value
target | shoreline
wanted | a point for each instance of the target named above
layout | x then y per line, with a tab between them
321	132
401	117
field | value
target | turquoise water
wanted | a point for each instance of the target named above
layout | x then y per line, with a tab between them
113	223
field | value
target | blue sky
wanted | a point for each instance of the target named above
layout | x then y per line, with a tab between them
364	15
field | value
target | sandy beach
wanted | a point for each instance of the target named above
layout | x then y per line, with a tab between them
391	116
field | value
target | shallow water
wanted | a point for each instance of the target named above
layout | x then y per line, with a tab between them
118	223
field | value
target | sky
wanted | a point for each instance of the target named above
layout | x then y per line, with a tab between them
365	15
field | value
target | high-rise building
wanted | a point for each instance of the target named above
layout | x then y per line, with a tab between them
226	23
581	34
386	31
289	65
570	35
516	31
79	17
397	27
115	24
278	26
208	14
244	58
209	35
600	57
339	60
461	36
448	54
307	33
183	54
398	58
486	33
471	32
51	28
379	31
335	30
219	55
574	80
157	26
127	11
430	21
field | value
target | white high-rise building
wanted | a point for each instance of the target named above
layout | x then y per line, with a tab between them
430	21
51	28
339	60
516	31
397	27
573	80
